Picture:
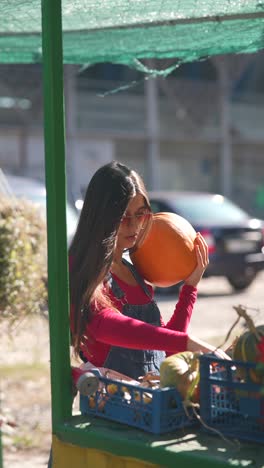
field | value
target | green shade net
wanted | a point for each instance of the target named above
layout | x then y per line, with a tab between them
126	31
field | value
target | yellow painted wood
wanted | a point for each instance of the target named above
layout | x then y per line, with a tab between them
69	456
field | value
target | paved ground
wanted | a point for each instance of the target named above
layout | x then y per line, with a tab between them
213	313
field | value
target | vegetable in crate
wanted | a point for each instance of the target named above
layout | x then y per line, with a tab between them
249	347
181	371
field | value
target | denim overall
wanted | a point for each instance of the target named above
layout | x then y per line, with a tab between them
135	362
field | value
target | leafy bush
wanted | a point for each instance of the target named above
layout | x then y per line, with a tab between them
23	259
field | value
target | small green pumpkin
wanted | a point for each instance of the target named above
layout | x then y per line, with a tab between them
246	348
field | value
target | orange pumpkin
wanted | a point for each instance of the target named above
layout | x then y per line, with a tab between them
167	255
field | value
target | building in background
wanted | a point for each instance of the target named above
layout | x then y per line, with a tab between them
201	128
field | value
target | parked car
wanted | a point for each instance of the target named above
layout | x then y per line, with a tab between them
35	191
235	239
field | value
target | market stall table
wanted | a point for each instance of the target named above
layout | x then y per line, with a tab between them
108	444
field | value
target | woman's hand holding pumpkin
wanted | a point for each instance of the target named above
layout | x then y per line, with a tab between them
201	250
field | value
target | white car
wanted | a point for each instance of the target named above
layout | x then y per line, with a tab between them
35	191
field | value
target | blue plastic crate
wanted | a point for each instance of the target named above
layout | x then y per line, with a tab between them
152	410
229	399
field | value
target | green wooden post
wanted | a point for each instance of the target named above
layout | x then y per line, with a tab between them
56	210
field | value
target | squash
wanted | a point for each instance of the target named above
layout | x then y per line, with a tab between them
181	371
248	347
167	255
246	350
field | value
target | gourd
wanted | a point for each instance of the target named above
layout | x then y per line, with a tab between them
167	255
181	371
247	347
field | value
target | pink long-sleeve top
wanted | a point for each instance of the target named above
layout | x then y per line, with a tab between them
108	328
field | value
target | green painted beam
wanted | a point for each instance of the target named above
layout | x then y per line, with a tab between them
56	210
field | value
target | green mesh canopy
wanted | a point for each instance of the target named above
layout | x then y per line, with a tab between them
124	31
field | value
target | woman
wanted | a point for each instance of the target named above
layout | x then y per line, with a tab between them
115	322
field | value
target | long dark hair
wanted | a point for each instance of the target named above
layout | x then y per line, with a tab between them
92	249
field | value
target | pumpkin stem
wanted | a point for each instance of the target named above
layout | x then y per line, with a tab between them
242	313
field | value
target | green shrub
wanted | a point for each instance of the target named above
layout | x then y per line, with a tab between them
23	259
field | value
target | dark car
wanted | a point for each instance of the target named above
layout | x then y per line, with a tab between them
234	238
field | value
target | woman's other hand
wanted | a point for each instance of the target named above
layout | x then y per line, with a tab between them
195	345
201	250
